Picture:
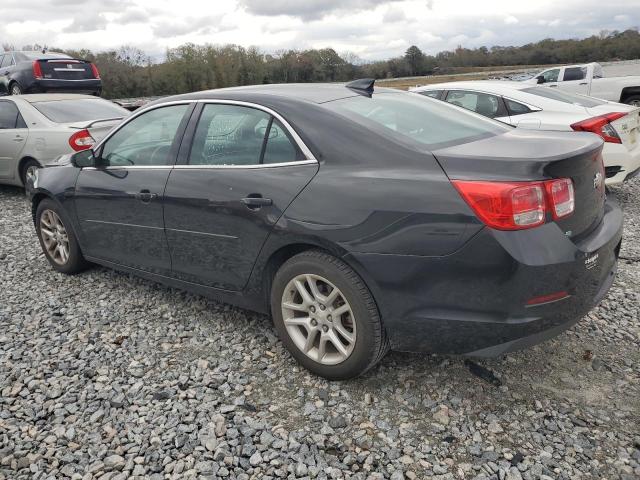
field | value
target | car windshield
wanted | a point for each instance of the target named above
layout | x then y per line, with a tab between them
417	118
564	97
80	110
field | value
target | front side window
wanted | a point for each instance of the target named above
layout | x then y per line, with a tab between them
482	103
146	140
238	135
10	117
415	120
574	73
551	75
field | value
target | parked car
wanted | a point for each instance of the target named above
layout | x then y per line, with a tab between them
589	79
35	129
533	107
37	72
362	220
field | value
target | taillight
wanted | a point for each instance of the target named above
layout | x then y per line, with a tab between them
517	205
37	70
81	140
601	126
94	69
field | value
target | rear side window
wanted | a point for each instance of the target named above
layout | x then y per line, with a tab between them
431	93
574	73
417	119
482	103
237	135
10	116
564	97
516	108
70	111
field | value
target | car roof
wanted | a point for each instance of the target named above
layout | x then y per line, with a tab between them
53	97
308	92
490	85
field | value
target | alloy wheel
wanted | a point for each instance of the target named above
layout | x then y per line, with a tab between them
635	103
319	319
30	173
15	89
54	236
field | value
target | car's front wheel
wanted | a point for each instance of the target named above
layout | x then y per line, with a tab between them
57	238
326	316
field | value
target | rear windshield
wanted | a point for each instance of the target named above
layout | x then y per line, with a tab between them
42	56
84	109
564	97
417	118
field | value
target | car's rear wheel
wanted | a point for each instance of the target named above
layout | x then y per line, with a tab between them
633	100
57	239
15	89
28	170
326	316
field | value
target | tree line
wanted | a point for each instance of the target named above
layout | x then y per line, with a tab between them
129	72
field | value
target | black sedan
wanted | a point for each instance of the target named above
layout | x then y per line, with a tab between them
37	72
361	220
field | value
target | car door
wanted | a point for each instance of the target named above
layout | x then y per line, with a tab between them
3	74
574	79
13	138
240	166
485	104
119	203
550	77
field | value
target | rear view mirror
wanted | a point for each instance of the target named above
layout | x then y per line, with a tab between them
540	79
84	158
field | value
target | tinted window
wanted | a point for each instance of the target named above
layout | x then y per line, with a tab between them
417	119
68	111
551	75
564	97
8	115
431	93
482	103
145	140
516	108
229	135
35	55
280	148
574	73
7	61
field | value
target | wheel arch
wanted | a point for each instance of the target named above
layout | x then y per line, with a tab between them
37	198
22	163
629	92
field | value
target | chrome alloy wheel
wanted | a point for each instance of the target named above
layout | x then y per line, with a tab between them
318	318
30	173
54	237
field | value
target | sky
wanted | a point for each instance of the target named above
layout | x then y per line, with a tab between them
370	29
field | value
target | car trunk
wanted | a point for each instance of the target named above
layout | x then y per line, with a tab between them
66	69
524	155
98	129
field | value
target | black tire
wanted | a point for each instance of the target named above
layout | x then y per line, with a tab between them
633	100
15	89
75	262
25	168
371	342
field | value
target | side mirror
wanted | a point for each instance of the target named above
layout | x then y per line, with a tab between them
84	158
540	79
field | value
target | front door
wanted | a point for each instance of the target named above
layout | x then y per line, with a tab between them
240	172
120	202
13	137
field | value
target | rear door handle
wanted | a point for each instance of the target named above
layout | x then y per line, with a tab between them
145	196
18	138
256	201
584	83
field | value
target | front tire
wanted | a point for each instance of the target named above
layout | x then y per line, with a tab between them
57	239
15	89
326	316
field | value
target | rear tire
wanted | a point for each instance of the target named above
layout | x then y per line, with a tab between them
15	89
633	100
27	170
335	332
57	238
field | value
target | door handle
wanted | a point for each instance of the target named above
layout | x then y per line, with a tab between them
584	83
255	201
145	196
18	138
553	86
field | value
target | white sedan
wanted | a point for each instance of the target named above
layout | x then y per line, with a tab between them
35	129
528	106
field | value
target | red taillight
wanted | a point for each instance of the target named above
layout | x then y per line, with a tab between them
81	140
517	205
94	69
37	70
601	126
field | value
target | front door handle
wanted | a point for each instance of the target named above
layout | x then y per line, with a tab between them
145	196
256	201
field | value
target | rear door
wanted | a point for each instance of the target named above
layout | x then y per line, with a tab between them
13	138
574	79
240	166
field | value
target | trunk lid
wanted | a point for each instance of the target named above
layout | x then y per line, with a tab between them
66	69
526	155
97	128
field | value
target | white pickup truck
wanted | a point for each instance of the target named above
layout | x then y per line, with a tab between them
588	79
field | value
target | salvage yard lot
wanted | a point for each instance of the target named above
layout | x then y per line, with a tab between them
108	376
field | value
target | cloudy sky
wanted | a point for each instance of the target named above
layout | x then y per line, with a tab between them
371	29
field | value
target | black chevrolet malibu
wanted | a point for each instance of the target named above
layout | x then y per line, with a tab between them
363	220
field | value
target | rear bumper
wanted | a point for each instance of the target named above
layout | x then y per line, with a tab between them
75	86
618	156
473	302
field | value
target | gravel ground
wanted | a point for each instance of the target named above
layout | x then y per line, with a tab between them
103	375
